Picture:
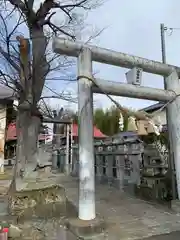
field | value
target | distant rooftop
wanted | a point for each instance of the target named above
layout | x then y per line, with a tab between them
125	134
125	137
153	107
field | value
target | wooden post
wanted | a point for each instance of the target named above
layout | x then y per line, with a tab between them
67	168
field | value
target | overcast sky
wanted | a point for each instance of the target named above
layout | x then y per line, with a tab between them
134	27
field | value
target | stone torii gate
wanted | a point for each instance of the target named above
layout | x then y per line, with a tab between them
88	53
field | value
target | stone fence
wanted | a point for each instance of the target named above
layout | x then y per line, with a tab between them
117	164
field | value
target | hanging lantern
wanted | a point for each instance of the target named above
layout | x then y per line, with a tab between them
132	127
141	125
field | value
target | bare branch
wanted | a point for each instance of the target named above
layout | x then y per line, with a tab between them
9	59
78	4
47	110
60	96
56	29
19	4
30	4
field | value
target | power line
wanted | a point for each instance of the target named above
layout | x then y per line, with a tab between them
174	28
170	29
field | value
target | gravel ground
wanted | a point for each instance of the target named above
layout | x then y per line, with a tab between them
127	217
51	229
171	236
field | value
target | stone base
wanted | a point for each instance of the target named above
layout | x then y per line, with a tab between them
55	171
45	202
44	172
71	209
87	229
175	206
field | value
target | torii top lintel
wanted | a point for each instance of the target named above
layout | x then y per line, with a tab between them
107	56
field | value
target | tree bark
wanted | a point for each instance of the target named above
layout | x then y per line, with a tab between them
31	145
27	127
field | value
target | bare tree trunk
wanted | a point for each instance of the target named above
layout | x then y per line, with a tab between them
27	146
31	145
21	128
28	125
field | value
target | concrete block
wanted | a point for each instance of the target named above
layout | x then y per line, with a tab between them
86	229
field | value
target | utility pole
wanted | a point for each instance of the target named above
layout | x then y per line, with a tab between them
170	142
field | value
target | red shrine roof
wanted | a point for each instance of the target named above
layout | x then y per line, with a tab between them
97	132
11	133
